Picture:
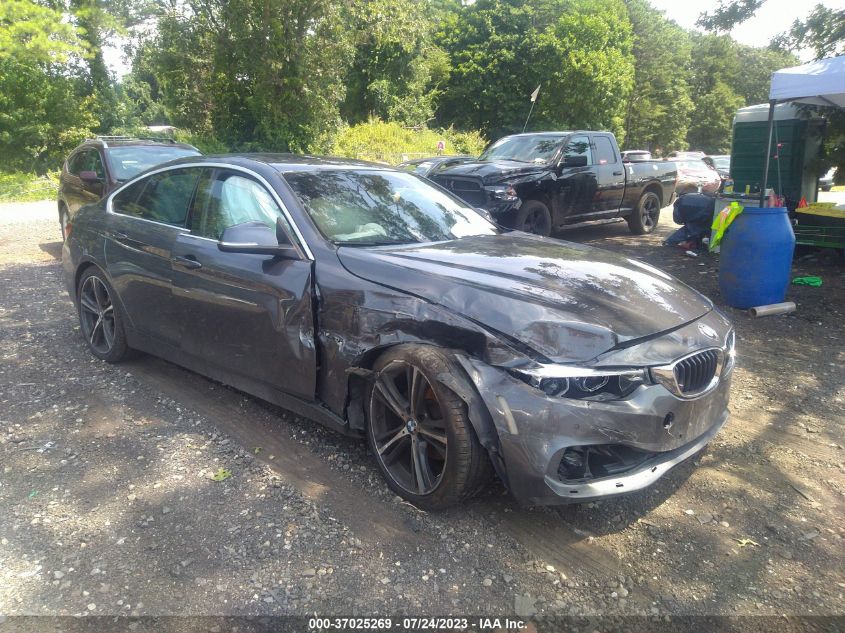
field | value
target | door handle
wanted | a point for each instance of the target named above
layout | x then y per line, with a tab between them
120	237
618	173
188	262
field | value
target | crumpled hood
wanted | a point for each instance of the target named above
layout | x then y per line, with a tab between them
491	171
566	301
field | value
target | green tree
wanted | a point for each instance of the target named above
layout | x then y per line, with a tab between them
658	110
257	74
710	128
823	31
757	65
578	51
397	71
43	108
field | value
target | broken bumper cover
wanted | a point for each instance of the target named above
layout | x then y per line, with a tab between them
536	430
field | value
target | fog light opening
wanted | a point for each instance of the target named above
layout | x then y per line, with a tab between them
668	420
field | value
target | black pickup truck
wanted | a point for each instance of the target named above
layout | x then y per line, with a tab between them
542	181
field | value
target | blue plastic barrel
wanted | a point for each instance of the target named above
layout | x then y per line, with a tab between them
756	257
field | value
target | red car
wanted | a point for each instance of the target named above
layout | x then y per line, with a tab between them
696	175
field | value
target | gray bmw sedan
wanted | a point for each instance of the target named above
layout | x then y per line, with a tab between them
378	304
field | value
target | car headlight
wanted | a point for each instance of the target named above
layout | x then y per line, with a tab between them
730	353
583	383
505	193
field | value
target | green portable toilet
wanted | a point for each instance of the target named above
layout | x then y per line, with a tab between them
793	174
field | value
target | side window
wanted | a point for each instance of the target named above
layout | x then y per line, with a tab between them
75	163
580	146
126	202
92	162
162	197
226	198
605	155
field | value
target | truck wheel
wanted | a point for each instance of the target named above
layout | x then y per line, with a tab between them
419	432
645	215
533	217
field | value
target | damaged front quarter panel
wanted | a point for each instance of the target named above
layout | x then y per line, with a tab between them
535	431
358	324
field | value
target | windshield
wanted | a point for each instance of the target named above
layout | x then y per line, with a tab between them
536	148
374	207
126	162
722	162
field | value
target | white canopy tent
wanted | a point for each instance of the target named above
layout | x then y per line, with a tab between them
817	83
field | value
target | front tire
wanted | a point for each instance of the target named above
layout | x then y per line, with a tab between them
533	217
419	431
100	318
646	214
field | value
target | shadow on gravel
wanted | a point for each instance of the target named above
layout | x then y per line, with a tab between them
54	249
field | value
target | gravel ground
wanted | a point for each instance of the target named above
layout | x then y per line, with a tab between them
110	506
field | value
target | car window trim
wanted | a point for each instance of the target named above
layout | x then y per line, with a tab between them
110	208
302	245
612	149
215	173
74	156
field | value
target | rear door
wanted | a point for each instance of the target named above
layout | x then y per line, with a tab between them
610	174
248	314
142	225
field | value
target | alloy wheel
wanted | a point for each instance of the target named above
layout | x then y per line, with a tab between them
96	314
650	210
408	428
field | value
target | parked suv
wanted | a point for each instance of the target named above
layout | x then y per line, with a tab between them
100	165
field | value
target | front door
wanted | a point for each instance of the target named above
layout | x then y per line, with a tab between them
243	313
577	185
80	192
610	174
146	218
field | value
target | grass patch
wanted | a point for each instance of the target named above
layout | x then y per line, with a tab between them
23	187
391	143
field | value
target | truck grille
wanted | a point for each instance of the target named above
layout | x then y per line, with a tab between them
467	189
694	373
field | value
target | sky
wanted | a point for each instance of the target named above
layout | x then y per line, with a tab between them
775	16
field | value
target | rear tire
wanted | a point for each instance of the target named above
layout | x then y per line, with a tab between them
100	318
419	431
63	220
533	217
646	214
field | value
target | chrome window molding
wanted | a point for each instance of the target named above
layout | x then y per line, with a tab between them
301	244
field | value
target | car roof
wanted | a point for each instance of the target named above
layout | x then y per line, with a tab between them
121	141
560	133
284	162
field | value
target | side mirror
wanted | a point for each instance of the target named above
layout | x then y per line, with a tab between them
484	213
89	176
574	161
258	239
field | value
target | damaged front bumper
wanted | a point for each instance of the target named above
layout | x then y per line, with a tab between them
624	445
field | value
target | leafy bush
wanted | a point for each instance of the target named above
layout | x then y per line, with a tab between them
381	141
23	187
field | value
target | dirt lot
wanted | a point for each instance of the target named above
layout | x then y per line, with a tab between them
108	506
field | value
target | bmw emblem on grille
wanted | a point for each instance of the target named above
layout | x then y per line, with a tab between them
708	331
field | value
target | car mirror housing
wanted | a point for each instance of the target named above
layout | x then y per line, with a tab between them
574	161
258	239
89	176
